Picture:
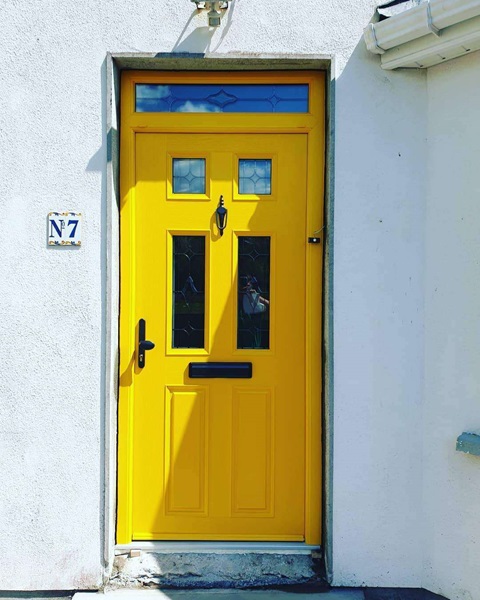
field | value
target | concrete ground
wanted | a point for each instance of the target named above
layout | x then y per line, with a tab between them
224	595
298	594
227	594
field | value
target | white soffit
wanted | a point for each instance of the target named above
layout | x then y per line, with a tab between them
426	35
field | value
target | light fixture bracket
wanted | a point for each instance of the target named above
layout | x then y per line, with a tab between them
223	4
214	7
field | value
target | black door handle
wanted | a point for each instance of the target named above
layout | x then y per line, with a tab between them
143	344
146	345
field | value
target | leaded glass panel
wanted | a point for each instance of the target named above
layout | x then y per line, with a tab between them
253	327
218	98
188	175
255	176
188	291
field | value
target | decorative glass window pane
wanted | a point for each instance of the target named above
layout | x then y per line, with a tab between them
255	176
228	98
188	175
253	326
188	291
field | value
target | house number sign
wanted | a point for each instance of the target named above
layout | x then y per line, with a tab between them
64	228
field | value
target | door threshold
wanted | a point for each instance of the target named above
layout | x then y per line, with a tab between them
218	547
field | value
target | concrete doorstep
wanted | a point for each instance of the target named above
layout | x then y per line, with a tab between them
202	570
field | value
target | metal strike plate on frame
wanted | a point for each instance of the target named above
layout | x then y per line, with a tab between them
220	370
315	239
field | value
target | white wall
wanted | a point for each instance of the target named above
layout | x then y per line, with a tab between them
53	156
378	313
452	330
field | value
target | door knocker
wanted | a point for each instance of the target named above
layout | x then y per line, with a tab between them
221	216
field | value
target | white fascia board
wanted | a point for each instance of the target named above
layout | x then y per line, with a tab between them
426	20
455	41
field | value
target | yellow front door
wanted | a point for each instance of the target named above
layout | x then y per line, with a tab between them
214	439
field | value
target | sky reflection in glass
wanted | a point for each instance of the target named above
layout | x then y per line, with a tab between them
230	98
255	176
188	175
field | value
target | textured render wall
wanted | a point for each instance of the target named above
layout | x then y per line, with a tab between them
378	359
452	330
53	155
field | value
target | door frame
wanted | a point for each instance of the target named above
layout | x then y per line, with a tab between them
314	125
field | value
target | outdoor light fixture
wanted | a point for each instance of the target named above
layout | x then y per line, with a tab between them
214	7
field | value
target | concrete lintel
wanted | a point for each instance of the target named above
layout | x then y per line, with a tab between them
469	443
220	62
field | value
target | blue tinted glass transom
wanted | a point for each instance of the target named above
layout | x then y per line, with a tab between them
217	98
255	176
188	175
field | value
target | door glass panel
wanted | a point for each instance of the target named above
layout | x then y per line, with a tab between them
188	291
253	326
228	98
188	175
255	176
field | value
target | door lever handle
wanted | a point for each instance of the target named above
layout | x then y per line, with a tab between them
146	345
143	344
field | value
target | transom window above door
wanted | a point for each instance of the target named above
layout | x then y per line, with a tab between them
218	98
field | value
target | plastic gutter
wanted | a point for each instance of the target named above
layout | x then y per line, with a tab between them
426	35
